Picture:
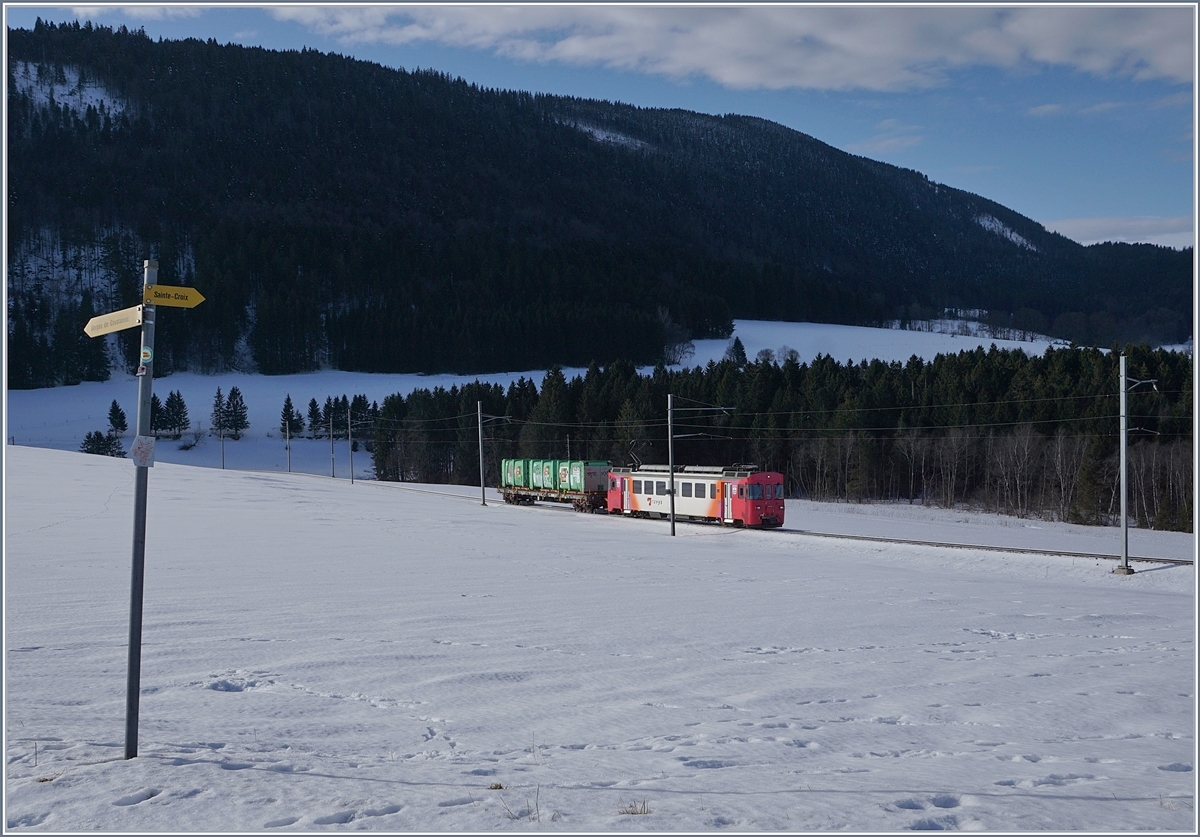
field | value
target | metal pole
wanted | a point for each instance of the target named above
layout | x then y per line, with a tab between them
482	494
287	429
350	442
671	455
1124	568
332	472
137	578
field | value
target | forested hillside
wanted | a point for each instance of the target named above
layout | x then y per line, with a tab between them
338	213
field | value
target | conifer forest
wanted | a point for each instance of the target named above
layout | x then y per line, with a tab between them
997	430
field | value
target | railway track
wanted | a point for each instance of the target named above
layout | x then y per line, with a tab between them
984	547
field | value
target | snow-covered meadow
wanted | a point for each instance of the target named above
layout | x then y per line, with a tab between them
61	417
326	656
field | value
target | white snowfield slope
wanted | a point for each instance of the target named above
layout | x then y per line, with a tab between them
327	656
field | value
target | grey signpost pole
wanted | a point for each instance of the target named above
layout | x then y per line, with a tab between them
138	574
671	455
482	494
350	442
1124	568
141	454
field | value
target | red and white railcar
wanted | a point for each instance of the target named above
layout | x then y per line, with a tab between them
739	495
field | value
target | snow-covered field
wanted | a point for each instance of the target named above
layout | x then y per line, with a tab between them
61	417
326	656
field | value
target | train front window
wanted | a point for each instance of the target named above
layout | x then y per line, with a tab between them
756	492
779	491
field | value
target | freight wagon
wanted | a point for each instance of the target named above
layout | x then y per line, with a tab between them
581	483
739	495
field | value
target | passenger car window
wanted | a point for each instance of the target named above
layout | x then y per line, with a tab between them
700	490
686	489
660	488
637	486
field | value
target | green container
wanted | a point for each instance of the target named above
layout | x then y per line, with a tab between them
593	476
506	472
520	473
562	475
535	473
549	474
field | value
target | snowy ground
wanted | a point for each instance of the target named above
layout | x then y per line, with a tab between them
326	656
61	417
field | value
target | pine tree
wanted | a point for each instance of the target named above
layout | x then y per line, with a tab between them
360	414
158	419
291	423
102	444
236	415
341	416
327	415
94	442
117	423
736	352
175	418
314	419
218	418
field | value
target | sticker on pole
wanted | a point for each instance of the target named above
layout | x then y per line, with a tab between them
142	452
147	354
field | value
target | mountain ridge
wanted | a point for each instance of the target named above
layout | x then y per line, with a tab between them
339	213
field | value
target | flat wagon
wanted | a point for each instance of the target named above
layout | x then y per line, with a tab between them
582	483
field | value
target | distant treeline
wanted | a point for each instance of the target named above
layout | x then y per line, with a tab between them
997	430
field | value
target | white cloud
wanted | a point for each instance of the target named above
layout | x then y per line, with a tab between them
138	12
776	47
1177	231
1046	110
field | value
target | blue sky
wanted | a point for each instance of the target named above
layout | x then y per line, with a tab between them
1080	117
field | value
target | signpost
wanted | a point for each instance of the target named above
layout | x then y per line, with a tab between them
142	454
172	295
116	321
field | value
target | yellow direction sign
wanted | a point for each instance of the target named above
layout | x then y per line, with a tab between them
172	295
114	321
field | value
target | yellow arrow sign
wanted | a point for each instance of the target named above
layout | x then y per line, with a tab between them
172	295
114	321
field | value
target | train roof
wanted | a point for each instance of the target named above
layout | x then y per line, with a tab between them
714	471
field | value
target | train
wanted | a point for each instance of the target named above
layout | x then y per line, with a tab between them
734	495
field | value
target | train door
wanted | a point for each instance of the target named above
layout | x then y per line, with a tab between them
626	487
728	492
